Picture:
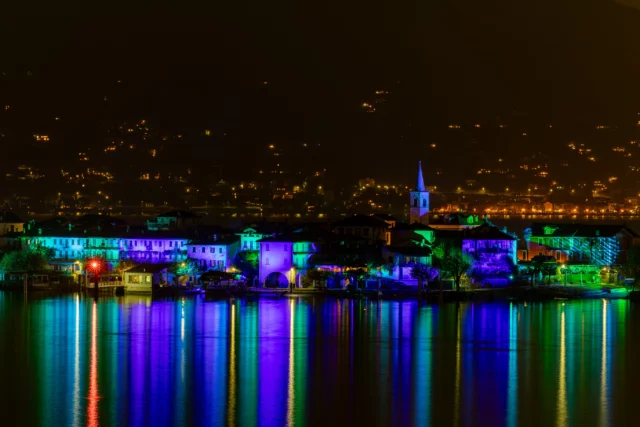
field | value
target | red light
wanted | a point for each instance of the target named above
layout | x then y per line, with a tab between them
94	264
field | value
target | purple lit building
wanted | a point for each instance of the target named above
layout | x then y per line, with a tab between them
493	250
284	259
153	247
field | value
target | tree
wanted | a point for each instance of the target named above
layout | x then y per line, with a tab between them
357	274
124	265
439	251
456	264
316	275
423	273
185	269
28	260
247	263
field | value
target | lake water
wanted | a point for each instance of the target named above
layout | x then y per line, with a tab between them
312	361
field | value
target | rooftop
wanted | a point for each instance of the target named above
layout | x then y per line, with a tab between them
9	217
361	221
578	230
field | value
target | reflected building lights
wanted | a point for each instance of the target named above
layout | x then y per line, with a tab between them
604	406
76	370
231	409
512	397
561	419
456	405
92	408
423	358
291	395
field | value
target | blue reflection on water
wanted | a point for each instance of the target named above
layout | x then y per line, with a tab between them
314	362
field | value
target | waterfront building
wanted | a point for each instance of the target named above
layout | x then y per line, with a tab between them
70	247
403	259
153	247
214	254
249	238
284	259
493	251
145	277
595	244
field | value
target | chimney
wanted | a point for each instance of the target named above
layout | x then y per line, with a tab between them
215	237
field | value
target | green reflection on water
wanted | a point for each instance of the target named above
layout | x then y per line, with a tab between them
74	361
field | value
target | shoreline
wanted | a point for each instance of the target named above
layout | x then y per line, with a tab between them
512	294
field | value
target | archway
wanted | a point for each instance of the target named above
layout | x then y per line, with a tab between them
276	280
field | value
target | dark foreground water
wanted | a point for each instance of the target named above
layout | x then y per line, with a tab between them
130	361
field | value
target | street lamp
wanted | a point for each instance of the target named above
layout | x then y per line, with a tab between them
95	265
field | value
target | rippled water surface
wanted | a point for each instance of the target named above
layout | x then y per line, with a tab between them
132	361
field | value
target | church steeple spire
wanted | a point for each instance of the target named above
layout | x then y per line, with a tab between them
420	183
419	210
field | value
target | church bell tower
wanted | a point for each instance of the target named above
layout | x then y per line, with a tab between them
419	207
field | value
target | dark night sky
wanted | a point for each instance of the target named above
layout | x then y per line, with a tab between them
571	62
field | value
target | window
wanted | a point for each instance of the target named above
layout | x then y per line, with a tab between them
266	248
212	249
219	250
193	249
170	244
424	203
135	243
286	248
310	247
202	249
266	261
72	242
55	241
415	203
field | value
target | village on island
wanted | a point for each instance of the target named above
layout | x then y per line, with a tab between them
355	255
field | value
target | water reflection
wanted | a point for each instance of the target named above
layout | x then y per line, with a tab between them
92	407
133	361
